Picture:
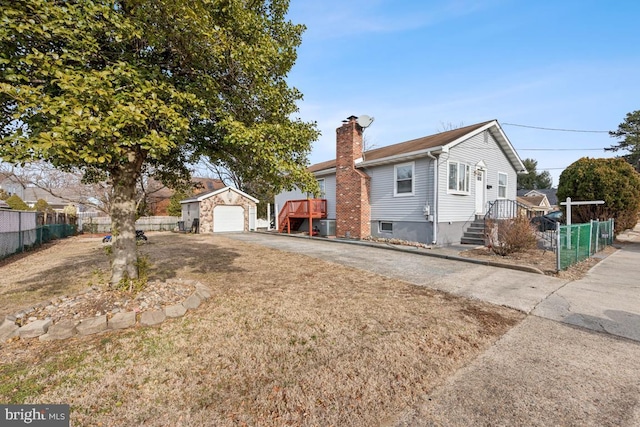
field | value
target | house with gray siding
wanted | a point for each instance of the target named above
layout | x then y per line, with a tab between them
424	190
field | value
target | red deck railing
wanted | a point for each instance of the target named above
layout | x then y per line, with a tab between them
301	209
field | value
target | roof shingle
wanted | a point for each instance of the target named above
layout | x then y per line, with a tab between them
424	143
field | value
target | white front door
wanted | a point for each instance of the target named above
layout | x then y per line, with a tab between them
480	191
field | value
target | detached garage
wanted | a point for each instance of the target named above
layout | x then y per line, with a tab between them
220	211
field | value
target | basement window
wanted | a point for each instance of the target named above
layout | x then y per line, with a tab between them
385	227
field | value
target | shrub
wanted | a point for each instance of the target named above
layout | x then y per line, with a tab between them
507	236
16	203
611	180
42	206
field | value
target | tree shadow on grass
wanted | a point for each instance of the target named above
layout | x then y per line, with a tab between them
167	255
196	256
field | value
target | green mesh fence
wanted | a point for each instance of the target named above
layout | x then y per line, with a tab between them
59	231
578	242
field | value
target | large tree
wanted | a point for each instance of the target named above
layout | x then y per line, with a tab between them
611	180
533	180
117	89
628	133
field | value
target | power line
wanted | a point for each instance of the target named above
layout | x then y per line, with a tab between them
556	129
561	149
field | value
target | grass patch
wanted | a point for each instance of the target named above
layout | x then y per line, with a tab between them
24	382
284	340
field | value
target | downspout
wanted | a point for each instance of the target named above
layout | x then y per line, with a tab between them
435	197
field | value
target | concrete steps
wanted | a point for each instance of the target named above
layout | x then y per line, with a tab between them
474	234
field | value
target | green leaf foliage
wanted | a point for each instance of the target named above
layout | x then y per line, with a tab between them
175	208
611	180
15	202
533	180
628	133
42	206
116	89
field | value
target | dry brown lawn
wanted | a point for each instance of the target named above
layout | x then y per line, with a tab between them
285	340
543	260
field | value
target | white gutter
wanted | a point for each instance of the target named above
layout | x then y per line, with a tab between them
400	157
435	197
324	172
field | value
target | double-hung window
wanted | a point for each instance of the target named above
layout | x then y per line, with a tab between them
502	185
321	185
403	179
459	177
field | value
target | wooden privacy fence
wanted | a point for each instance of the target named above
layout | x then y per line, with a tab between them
102	224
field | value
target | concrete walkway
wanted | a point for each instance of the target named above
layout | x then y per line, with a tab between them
547	372
607	299
574	361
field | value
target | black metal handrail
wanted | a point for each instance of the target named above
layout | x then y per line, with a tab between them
505	209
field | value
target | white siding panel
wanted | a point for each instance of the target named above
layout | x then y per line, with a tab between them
455	207
190	211
329	190
330	195
386	207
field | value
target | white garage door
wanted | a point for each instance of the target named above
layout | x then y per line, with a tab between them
228	218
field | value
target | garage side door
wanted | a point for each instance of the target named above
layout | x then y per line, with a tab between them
228	218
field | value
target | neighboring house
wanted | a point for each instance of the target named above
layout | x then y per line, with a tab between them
425	190
223	210
33	194
535	204
549	193
159	196
11	185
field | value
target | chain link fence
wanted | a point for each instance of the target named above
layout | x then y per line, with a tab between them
23	230
577	242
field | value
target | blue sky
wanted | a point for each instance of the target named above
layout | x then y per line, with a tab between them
420	67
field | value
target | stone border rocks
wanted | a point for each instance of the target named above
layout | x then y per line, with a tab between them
45	330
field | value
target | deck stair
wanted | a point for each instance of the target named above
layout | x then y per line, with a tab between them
294	212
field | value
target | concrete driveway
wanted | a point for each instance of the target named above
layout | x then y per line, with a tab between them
574	361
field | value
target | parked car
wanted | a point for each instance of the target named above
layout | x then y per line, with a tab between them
548	221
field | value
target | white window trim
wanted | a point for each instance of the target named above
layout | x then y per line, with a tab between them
457	191
395	179
323	193
506	185
380	230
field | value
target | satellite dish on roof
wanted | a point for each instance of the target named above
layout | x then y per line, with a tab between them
365	121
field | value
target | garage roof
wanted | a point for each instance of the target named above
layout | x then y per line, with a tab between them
202	196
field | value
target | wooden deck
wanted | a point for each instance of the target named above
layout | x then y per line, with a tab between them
294	212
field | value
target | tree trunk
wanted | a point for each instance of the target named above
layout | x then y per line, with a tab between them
123	218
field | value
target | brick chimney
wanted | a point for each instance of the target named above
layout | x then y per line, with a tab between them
353	211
